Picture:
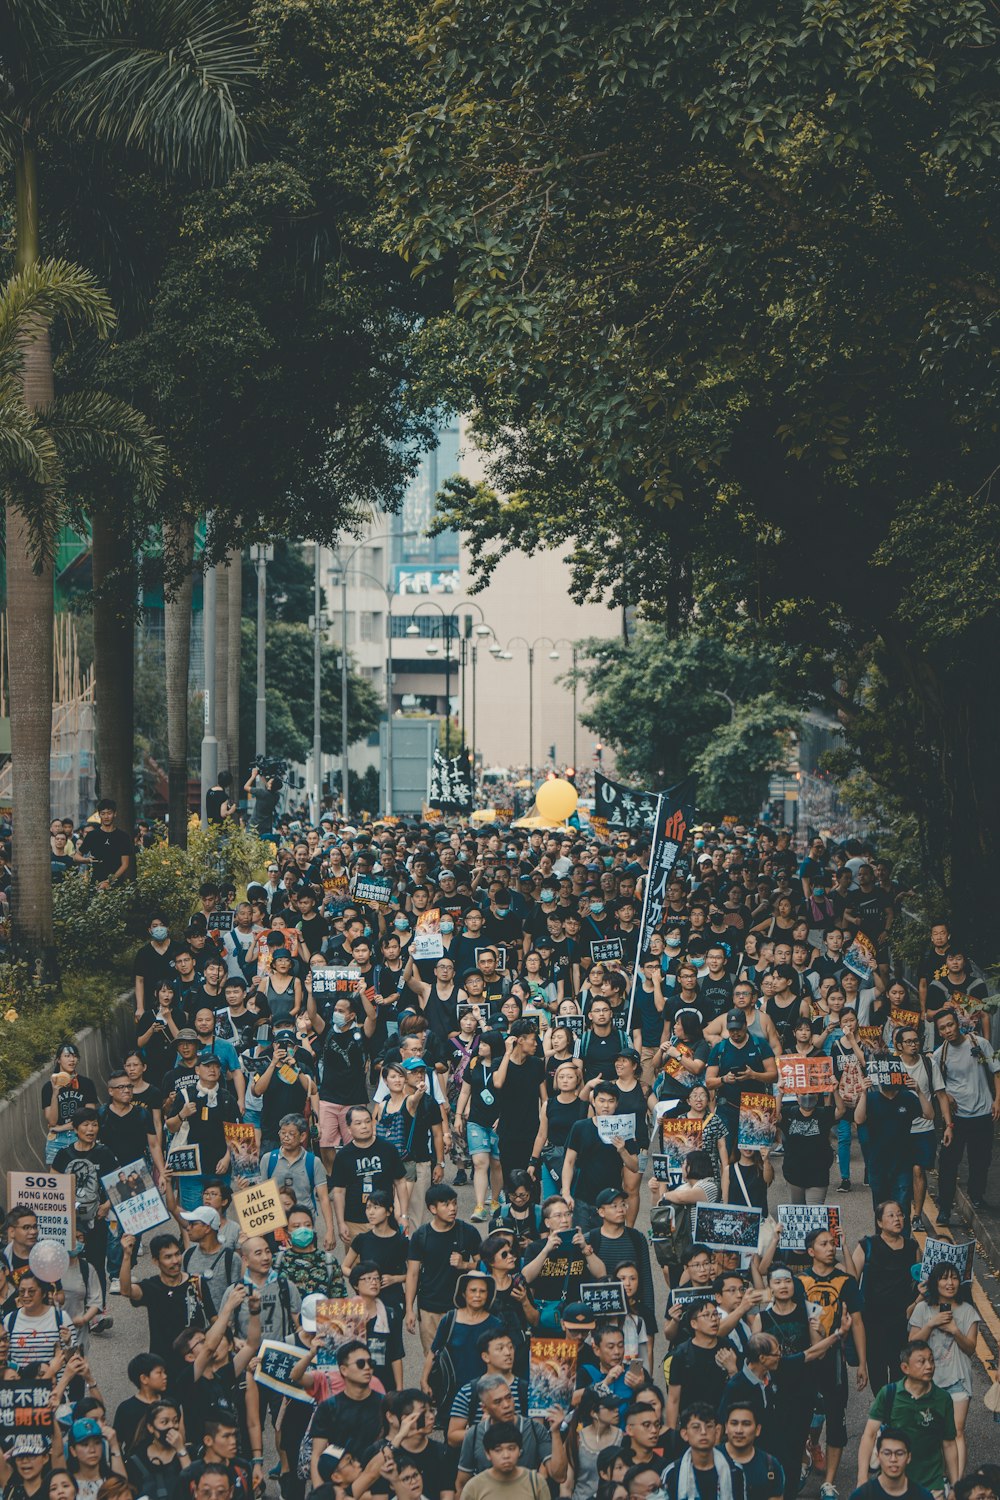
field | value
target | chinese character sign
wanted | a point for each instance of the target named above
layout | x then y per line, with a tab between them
451	782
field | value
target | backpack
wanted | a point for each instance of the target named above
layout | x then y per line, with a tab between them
442	1379
227	1255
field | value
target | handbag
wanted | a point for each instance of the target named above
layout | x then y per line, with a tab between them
553	1158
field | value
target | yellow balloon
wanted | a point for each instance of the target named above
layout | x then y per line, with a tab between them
555	800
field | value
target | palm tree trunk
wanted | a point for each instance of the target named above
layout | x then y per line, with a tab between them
235	652
31	617
114	659
178	555
222	662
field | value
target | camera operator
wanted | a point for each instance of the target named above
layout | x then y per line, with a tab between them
266	792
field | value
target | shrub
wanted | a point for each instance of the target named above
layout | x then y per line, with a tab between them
166	880
91	925
237	854
35	1018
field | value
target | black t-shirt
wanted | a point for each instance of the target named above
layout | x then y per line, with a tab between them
562	1118
889	1122
344	1077
715	996
126	1136
348	1423
73	1097
519	1098
694	1369
562	1270
597	1166
206	1125
363	1170
282	1097
434	1471
433	1250
214	798
171	1309
479	1077
264	804
153	967
108	849
598	1053
86	1168
806	1138
388	1251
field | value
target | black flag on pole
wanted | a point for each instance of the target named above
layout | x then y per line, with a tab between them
673	817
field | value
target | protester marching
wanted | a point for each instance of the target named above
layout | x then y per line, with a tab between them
468	1159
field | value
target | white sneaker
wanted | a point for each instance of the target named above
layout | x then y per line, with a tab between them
114	1285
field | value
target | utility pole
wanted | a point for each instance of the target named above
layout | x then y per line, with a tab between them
344	774
262	557
209	742
576	763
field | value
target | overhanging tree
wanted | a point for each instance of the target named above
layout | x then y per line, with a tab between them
727	280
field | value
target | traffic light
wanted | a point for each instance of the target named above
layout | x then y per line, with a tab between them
599	753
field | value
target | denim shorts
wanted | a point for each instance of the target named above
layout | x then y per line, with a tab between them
923	1144
482	1141
959	1390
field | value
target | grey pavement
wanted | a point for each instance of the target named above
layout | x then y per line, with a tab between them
111	1352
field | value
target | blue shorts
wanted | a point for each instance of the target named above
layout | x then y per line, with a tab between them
482	1142
924	1145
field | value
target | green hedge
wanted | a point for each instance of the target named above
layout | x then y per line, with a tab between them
97	934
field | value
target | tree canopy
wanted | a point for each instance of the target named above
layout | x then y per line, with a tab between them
726	280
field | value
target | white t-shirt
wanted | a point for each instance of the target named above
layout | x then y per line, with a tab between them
918	1081
950	1364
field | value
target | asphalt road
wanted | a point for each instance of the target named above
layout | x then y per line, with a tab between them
111	1352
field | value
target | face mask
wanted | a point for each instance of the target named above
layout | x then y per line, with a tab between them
699	843
302	1238
819	890
401	926
596	907
672	946
698	962
502	907
340	1022
159	934
447	927
368	932
548	896
608	861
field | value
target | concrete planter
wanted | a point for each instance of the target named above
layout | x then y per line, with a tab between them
22	1127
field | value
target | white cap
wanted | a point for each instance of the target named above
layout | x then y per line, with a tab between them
204	1215
308	1311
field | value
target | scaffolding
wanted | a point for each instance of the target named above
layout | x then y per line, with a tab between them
73	761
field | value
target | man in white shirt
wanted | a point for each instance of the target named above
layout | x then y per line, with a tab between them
970	1075
927	1083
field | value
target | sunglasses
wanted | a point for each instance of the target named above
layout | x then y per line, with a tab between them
362	1364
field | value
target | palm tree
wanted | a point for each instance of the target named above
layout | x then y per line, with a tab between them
159	77
178	583
41	439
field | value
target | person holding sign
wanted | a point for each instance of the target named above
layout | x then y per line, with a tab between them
206	1108
590	1165
736	1064
889	1110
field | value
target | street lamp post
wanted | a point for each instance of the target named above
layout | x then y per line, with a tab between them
209	742
413	629
318	623
390	594
263	555
506	655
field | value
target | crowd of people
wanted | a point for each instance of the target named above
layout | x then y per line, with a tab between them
402	1011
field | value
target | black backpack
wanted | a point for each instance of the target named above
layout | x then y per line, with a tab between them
442	1378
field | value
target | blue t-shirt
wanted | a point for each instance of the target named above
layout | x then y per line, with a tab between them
728	1058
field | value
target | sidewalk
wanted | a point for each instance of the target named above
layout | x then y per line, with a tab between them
983	1223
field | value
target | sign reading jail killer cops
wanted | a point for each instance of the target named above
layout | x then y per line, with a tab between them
259	1209
50	1195
607	951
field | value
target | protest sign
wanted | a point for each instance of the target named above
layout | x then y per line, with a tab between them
427	941
606	1299
861	957
25	1407
51	1197
551	1375
960	1255
674	814
275	1363
666	1169
799	1219
906	1018
339	1320
336	885
887	1072
682	1294
758	1121
724	1226
334	982
483	1008
259	1209
614	1127
135	1202
451	782
805	1075
184	1161
871	1039
221	921
607	951
623	808
243	1155
674	1066
576	1024
377	888
679	1137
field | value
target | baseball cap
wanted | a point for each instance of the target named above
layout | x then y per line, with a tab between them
330	1460
206	1055
203	1215
309	1309
578	1315
735	1021
85	1428
412	1064
187	1035
609	1195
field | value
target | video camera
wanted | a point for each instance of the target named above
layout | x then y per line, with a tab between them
269	767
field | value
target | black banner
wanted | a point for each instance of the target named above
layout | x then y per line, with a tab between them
451	782
624	809
673	819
